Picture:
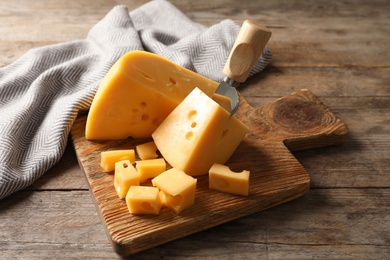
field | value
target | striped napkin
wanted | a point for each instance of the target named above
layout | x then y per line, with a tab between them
43	91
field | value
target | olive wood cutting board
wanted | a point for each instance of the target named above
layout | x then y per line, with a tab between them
295	122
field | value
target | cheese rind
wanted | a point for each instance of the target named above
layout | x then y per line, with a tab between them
109	158
197	134
147	151
143	200
136	95
151	168
178	189
222	179
125	177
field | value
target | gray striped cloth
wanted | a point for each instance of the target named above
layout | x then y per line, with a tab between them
43	91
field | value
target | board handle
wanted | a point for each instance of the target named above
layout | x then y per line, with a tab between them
300	121
249	44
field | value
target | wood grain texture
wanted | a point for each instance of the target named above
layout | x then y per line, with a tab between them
298	122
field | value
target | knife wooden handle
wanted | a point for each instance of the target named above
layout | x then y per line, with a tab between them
249	45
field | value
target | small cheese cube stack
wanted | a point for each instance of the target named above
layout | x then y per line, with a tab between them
178	189
222	179
173	188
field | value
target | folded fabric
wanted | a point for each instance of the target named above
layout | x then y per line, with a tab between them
43	91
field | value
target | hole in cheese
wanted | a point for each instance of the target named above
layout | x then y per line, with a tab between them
143	104
189	135
192	114
144	117
157	121
125	165
173	81
146	76
193	124
225	132
223	179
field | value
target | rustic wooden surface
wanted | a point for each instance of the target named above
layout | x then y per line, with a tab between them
338	50
297	122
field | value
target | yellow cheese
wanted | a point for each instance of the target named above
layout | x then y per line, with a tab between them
151	168
221	178
222	100
109	158
125	176
143	200
136	95
178	189
197	134
147	151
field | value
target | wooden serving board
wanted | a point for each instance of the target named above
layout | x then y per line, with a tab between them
296	122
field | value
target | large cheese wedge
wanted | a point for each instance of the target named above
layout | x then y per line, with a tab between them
197	134
136	95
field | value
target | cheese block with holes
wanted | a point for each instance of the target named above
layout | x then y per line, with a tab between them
197	134
143	200
136	95
222	179
125	176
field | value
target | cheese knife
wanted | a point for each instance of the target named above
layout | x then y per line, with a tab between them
250	42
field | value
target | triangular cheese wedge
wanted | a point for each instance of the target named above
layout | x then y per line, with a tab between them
197	134
136	95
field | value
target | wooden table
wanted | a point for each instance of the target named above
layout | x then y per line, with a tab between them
338	50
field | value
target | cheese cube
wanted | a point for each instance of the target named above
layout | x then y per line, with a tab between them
148	169
109	158
147	151
221	178
136	95
143	200
197	134
178	189
125	176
